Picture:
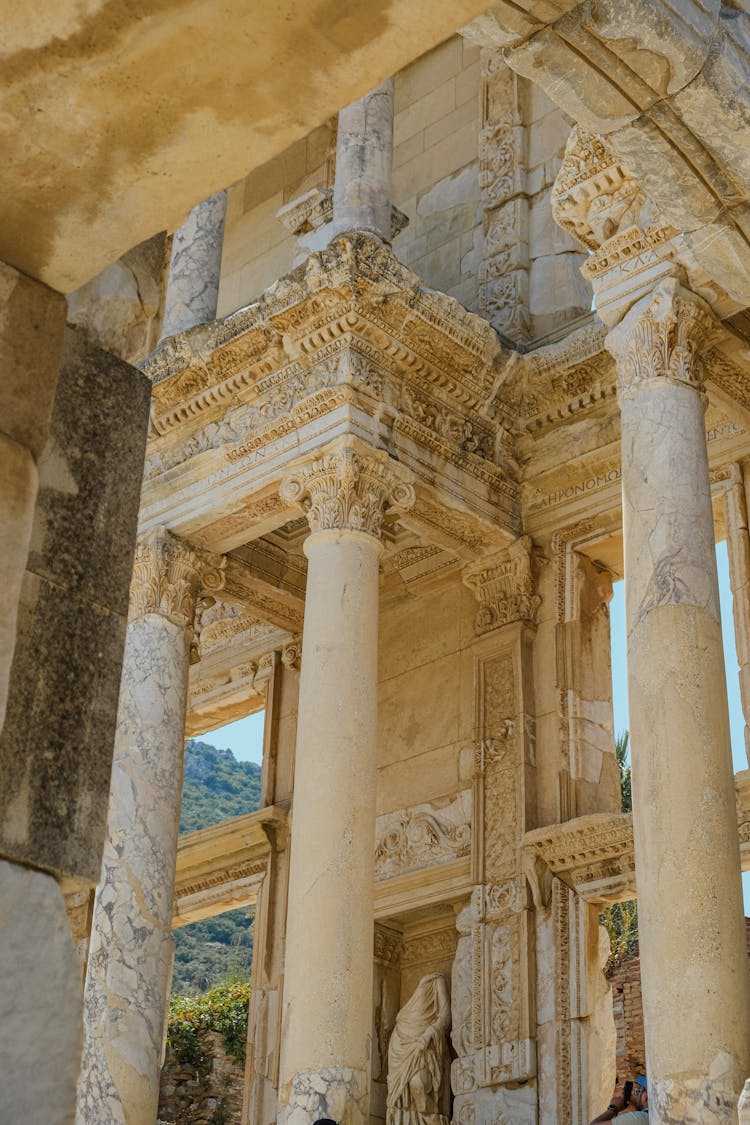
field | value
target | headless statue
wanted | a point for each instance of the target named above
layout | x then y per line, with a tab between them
416	1055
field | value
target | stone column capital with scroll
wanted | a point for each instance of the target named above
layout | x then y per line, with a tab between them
504	584
169	575
663	336
350	487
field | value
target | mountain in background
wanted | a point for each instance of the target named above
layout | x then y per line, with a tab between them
216	787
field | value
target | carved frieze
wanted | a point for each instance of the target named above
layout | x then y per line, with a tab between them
168	575
504	586
347	489
593	855
422	836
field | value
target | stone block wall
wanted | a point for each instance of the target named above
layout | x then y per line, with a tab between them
189	1098
436	168
257	247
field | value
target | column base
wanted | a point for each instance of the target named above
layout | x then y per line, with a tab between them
340	1093
702	1100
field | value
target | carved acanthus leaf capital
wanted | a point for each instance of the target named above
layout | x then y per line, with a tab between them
504	585
168	576
348	489
664	336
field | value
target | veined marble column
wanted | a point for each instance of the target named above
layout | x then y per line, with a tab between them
130	951
193	285
364	160
327	1007
696	989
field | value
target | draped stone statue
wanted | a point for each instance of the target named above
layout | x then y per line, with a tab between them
416	1055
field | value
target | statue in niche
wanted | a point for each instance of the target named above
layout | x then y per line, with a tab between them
417	1053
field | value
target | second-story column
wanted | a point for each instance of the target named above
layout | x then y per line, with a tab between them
696	989
364	160
195	267
327	1010
130	951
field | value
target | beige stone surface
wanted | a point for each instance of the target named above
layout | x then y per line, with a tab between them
40	1000
168	68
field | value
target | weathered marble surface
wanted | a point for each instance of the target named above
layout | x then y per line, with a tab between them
32	321
339	1093
364	158
683	791
193	285
131	944
56	744
40	1000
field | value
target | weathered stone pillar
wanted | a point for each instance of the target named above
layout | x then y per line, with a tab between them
130	949
327	1014
364	159
32	321
696	991
738	550
193	285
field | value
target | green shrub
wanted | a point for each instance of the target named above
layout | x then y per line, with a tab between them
223	1009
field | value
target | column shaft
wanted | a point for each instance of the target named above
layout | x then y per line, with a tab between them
694	965
195	267
738	544
130	951
327	1008
328	970
364	160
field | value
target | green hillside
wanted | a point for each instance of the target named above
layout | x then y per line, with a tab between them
216	787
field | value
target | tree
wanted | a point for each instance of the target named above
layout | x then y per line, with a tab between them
621	918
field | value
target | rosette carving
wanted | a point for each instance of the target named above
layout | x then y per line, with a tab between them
168	576
664	336
348	490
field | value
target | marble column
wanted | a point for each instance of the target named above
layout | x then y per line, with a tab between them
738	550
364	159
327	1007
195	267
32	323
696	987
129	965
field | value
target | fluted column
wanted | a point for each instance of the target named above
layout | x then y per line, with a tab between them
364	161
696	993
195	267
327	1006
131	937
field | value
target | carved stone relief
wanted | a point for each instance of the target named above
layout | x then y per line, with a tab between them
423	836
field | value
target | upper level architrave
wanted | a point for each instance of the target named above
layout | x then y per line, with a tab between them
350	343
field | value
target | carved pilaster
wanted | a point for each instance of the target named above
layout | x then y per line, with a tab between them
664	336
348	489
168	577
504	585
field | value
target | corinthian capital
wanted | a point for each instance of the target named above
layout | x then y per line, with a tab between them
168	577
505	587
350	488
663	336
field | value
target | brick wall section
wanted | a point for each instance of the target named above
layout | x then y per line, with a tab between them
625	978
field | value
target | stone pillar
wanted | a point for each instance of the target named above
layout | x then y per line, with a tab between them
32	322
327	1013
130	949
364	159
195	267
696	992
738	544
